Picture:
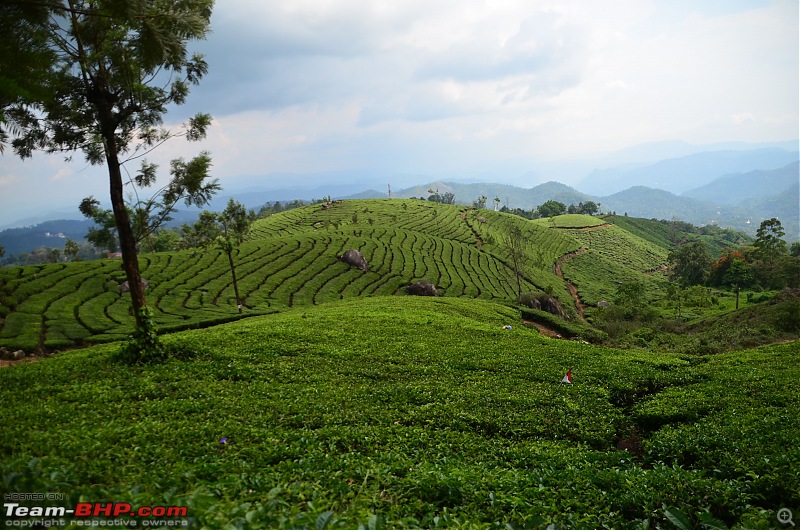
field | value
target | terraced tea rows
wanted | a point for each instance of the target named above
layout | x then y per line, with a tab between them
291	259
613	256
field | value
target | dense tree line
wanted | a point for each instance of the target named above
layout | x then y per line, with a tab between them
553	208
767	264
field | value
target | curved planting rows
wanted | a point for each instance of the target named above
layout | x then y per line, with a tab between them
366	215
621	247
291	259
597	278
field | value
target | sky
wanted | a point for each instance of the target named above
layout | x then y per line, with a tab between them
376	91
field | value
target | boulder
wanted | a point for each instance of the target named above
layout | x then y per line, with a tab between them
603	304
422	288
545	302
124	287
354	258
18	355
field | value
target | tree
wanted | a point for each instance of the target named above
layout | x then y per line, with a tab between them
690	263
149	215
551	209
117	66
24	46
769	240
586	208
226	230
480	202
71	249
738	276
517	252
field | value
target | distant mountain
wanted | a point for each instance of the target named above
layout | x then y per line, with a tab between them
746	217
641	201
511	196
741	187
785	206
50	234
678	175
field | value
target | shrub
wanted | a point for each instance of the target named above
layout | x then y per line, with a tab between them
143	346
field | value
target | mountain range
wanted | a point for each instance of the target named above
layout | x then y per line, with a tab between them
735	187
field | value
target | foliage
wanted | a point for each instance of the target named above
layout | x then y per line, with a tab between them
769	240
227	230
468	428
26	60
518	256
443	198
189	182
143	346
102	94
551	209
690	263
586	208
71	249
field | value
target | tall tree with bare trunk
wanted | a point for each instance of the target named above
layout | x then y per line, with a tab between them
116	66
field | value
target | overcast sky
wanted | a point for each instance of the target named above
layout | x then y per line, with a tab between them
461	89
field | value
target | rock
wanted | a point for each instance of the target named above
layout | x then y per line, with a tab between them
124	287
481	219
422	288
354	258
18	355
603	304
545	302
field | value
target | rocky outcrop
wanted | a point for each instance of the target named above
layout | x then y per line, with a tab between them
354	258
422	288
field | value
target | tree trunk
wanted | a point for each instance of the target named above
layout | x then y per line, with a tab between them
127	241
235	285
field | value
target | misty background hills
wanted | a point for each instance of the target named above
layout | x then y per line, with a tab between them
736	187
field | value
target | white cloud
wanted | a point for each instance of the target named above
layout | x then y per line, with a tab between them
458	85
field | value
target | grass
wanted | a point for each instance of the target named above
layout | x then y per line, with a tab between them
409	412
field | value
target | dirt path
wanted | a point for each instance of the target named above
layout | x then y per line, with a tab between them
573	291
544	330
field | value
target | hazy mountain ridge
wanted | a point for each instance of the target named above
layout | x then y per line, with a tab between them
738	188
678	175
716	187
51	234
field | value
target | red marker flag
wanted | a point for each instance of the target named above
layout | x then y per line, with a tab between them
567	378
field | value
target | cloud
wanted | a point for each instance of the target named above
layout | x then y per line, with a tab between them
461	87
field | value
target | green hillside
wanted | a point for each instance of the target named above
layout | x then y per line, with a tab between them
291	259
342	402
404	412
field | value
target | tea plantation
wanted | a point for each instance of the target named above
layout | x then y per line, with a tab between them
404	412
291	259
338	401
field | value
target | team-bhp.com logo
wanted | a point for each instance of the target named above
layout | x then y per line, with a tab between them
122	512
